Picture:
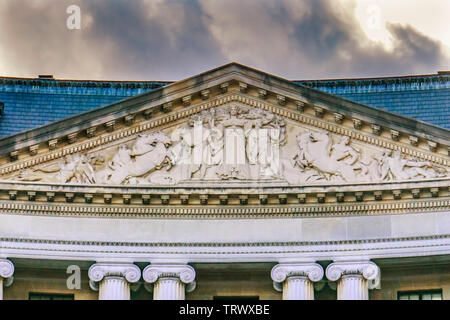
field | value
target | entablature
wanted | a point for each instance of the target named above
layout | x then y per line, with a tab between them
234	200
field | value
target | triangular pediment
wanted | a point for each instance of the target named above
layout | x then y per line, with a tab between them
229	125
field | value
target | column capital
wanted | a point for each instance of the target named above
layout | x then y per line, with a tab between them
6	268
184	272
367	269
129	271
282	271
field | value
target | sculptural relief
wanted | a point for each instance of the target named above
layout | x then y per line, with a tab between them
213	152
234	143
318	158
223	143
71	168
397	168
146	155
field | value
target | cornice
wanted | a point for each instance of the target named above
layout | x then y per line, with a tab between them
221	244
140	251
224	212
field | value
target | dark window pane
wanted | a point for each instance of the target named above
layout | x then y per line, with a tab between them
436	296
49	296
236	298
420	295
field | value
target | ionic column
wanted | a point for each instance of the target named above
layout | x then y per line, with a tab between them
296	280
113	279
355	278
170	281
6	274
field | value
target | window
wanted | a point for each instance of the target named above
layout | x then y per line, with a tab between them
235	298
50	296
420	295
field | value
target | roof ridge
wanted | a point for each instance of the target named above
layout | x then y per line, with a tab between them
81	80
440	74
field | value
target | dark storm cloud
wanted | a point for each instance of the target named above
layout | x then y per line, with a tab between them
152	39
119	39
170	40
415	47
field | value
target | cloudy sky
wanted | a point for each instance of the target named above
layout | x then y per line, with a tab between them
174	39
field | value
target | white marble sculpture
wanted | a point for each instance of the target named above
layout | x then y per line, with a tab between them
234	143
318	158
147	154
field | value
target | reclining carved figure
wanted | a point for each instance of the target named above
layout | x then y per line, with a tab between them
318	158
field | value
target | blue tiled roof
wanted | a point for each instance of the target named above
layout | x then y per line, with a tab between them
30	103
425	98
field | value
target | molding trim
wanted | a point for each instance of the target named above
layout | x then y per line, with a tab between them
229	252
229	212
224	244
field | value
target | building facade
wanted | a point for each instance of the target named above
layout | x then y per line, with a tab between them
230	184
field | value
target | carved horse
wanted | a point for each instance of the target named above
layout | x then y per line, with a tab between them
147	154
317	151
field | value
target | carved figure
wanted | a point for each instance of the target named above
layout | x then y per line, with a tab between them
403	169
233	143
317	151
371	167
271	162
73	168
342	151
185	155
147	154
83	172
213	151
